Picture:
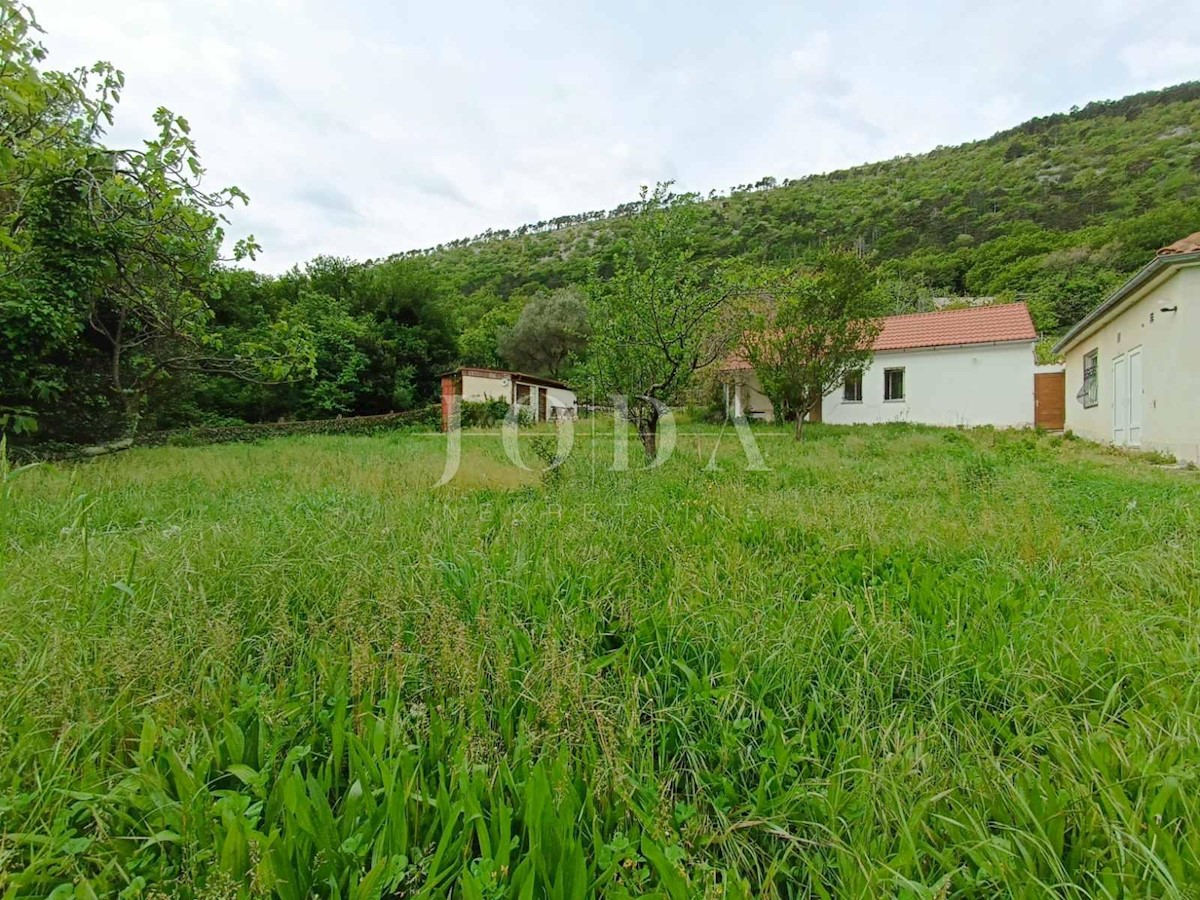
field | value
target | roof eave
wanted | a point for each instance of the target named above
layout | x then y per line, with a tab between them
520	376
1020	340
1147	274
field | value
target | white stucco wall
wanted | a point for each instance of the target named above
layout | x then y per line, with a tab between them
560	397
477	388
744	397
1170	348
983	384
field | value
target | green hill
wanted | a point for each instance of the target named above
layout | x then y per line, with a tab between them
1056	211
119	321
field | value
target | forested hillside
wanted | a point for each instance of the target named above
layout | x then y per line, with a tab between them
118	313
1054	210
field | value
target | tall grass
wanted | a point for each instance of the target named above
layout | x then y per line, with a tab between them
903	662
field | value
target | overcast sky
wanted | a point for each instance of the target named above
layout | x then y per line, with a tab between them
368	127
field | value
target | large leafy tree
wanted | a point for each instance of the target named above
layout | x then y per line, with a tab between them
479	340
552	330
412	341
107	256
811	329
47	123
661	316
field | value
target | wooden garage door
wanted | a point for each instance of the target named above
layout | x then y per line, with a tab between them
1050	400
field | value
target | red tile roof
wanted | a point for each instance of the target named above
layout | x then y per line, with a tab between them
1189	244
736	362
943	328
952	327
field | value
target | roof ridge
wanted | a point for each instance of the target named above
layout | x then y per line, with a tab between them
961	309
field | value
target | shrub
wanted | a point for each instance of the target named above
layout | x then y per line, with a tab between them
1155	457
482	413
428	416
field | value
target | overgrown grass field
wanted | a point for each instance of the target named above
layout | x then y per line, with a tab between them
903	662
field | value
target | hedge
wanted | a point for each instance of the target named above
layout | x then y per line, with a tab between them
428	416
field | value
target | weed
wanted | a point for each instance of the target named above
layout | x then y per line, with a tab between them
1155	457
904	661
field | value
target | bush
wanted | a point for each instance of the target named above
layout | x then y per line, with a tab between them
234	434
428	416
1156	457
482	413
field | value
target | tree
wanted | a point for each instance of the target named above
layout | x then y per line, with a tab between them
411	341
46	122
107	257
550	331
812	330
662	316
335	383
479	340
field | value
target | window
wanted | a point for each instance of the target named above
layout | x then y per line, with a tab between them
893	384
1089	394
852	390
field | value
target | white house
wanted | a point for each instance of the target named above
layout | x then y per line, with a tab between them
970	366
1133	363
545	398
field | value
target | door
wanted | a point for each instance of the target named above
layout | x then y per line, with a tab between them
1135	397
1120	401
1050	400
523	396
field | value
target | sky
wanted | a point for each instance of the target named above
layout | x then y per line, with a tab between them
369	127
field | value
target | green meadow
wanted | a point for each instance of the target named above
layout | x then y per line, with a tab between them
902	662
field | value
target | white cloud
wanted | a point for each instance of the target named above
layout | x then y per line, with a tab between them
388	124
811	58
1162	59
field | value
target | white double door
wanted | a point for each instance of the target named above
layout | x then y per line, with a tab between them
1127	398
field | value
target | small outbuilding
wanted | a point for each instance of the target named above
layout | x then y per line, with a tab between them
545	398
1133	363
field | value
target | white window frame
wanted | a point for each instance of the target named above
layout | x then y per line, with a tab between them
903	387
855	376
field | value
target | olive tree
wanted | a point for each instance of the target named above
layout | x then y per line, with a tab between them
551	330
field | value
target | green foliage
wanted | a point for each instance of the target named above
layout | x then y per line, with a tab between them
106	255
403	302
813	330
904	661
479	336
661	316
551	331
339	357
482	413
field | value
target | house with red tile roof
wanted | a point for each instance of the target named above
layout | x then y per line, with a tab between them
972	366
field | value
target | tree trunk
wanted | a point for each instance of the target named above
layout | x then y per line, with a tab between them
648	432
800	425
649	435
131	404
